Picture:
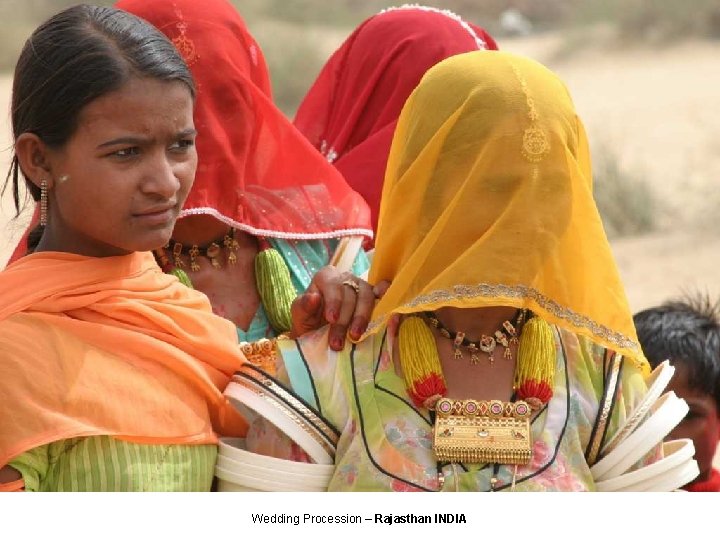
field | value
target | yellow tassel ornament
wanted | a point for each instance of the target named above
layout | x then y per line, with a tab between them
275	287
535	368
420	363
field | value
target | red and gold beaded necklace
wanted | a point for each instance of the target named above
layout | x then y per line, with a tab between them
479	431
272	276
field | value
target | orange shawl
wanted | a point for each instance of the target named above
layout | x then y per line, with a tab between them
110	346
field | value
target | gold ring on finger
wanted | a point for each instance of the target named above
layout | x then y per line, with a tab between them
353	285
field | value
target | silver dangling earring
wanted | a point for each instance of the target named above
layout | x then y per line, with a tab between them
43	203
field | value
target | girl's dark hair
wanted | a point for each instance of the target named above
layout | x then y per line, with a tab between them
686	332
74	58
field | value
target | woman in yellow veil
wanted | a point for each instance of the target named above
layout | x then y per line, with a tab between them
504	353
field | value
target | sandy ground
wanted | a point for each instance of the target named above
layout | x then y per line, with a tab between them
653	109
10	228
656	111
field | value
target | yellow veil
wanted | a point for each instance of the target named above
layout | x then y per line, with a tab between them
488	201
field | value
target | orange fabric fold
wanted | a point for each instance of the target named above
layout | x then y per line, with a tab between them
17	485
110	346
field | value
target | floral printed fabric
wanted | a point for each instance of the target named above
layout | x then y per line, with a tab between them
386	443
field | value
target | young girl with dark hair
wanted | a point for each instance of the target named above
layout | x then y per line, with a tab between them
267	213
111	372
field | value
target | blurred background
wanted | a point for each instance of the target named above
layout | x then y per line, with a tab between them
644	75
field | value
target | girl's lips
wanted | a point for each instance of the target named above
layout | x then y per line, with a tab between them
159	217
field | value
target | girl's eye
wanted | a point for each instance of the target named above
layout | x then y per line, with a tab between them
182	144
127	152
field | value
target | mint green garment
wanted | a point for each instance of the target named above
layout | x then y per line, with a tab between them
303	258
386	441
106	464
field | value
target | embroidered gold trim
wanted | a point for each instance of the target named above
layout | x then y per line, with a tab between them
298	412
513	292
605	412
536	144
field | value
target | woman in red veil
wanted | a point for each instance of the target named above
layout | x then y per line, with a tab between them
351	110
266	210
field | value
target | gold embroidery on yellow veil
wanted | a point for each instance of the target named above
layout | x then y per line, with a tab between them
535	142
516	292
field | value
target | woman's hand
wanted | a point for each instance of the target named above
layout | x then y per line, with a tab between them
339	298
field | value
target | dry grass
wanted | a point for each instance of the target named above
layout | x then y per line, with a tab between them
295	59
654	21
626	202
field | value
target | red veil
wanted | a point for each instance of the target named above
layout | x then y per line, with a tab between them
256	171
350	112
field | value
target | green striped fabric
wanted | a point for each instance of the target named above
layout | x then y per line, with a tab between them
107	464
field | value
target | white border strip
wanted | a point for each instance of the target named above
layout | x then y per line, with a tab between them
274	234
447	13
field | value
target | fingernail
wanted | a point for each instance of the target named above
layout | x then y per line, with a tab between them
356	331
337	343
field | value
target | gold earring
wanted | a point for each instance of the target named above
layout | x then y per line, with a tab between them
43	202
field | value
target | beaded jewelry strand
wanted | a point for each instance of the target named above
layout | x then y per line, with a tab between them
272	276
478	431
506	336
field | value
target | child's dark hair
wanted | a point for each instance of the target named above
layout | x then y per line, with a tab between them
75	57
687	332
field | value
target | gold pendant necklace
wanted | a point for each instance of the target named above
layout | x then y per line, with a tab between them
212	252
476	431
472	431
506	336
